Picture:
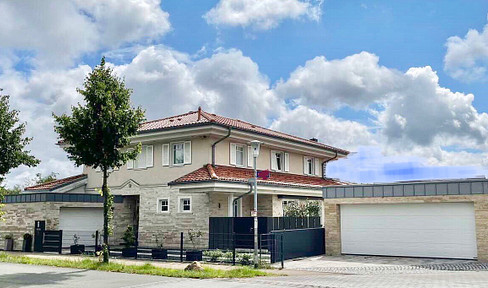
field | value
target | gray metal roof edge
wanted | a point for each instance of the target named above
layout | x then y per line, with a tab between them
446	181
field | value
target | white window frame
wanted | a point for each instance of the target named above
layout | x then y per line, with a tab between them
180	206
187	154
148	161
285	167
159	205
233	154
305	165
230	211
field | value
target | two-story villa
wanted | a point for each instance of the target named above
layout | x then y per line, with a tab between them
192	167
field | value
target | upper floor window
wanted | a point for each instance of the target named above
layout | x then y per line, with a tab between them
311	166
237	154
176	154
280	161
143	160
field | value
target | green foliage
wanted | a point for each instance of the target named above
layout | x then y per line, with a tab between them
308	209
214	255
98	133
195	236
8	236
129	237
245	259
148	269
39	179
12	142
13	191
76	239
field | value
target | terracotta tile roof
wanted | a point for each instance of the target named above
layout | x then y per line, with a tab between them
49	186
201	117
234	174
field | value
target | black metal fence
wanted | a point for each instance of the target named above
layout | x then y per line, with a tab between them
52	241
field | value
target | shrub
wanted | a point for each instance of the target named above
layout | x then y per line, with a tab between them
8	236
245	259
214	255
129	237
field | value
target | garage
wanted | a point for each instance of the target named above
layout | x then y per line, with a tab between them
438	230
83	222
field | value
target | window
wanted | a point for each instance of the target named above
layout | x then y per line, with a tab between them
235	208
237	154
185	204
286	203
143	160
280	161
176	154
311	166
163	205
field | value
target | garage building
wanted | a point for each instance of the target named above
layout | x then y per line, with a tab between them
435	219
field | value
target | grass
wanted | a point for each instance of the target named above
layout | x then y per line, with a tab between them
148	269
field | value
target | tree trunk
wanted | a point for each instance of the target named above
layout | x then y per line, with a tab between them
106	209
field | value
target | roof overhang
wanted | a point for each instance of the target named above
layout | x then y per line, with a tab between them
233	187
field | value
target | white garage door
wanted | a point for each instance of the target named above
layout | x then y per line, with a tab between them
441	230
80	221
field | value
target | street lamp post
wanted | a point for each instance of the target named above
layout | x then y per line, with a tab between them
255	145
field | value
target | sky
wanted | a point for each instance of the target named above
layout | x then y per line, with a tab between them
401	84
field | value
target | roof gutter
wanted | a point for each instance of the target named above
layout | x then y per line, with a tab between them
217	142
324	165
237	199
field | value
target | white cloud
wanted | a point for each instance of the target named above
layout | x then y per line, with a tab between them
59	32
262	14
308	123
466	58
357	81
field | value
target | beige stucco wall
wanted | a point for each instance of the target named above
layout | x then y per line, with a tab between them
332	217
264	159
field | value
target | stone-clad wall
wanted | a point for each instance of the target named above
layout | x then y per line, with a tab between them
19	218
333	227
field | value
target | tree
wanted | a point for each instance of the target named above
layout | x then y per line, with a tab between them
97	133
308	209
12	191
39	179
12	142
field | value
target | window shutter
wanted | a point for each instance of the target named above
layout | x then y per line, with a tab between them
287	162
165	155
232	154
316	167
149	156
249	157
305	166
130	163
274	165
187	152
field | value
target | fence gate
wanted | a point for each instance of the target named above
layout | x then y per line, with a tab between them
291	244
52	241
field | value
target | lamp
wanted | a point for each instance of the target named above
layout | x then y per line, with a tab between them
255	145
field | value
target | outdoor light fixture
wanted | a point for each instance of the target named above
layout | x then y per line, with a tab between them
255	145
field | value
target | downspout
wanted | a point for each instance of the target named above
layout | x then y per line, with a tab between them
324	165
217	142
237	199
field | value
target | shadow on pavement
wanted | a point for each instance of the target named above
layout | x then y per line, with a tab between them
47	279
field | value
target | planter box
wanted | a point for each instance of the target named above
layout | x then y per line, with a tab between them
9	244
129	252
27	245
77	249
194	255
159	253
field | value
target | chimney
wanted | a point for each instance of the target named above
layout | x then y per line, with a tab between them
314	139
199	113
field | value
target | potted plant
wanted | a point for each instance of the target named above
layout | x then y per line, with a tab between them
159	252
76	248
9	242
27	244
195	254
129	238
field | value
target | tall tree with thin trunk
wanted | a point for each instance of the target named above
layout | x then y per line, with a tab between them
12	142
98	133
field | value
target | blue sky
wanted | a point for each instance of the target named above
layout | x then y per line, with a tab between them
385	79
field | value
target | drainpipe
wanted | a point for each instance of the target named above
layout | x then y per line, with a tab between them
237	199
217	142
324	165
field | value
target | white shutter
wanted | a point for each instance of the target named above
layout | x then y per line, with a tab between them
305	166
316	167
287	162
249	157
149	156
140	161
165	155
130	163
187	152
274	165
232	154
